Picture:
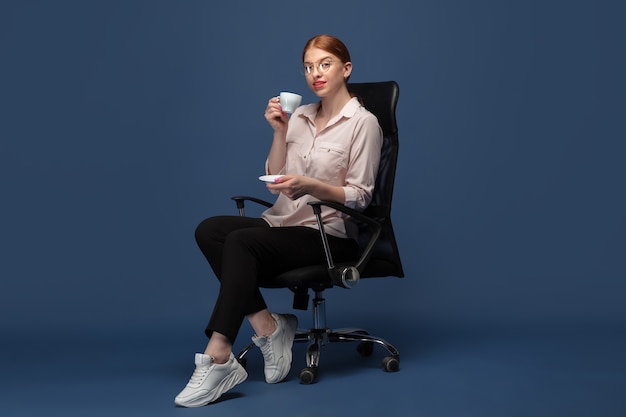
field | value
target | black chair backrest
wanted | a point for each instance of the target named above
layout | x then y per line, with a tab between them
381	99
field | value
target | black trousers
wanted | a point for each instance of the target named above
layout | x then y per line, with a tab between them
245	252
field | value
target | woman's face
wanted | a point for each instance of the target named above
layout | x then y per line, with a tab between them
325	73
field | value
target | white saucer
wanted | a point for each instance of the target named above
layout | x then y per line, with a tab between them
269	178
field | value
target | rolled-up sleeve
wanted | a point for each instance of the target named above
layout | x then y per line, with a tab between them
363	164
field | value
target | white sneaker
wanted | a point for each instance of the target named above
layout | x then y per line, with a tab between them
276	348
210	380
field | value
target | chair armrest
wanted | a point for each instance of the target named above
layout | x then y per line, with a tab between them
346	276
347	210
241	199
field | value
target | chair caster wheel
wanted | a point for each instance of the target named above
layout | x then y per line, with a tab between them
308	375
365	348
391	364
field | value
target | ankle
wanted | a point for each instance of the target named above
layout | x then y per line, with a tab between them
218	359
263	322
270	328
273	327
218	356
218	348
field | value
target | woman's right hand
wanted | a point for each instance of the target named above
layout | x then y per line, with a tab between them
275	116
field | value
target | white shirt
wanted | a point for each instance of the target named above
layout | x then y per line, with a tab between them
345	153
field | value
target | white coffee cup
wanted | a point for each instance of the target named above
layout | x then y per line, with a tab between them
289	101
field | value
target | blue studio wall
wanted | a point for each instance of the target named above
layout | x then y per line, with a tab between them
125	123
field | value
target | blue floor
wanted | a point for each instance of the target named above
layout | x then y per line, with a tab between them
445	371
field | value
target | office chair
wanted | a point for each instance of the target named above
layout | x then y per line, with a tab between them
379	256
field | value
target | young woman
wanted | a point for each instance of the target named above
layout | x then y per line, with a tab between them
328	150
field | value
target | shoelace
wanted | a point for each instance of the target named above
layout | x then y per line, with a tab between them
198	375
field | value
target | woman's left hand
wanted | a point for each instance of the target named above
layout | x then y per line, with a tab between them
293	186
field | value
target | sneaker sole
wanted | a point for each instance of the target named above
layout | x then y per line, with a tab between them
226	384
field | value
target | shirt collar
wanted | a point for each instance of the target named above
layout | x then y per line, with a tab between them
348	110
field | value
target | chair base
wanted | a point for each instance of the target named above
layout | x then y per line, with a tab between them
318	338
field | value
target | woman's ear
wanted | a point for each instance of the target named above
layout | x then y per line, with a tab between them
347	70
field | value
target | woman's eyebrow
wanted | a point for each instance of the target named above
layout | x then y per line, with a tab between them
321	59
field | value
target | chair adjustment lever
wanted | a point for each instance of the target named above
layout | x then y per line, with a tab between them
300	298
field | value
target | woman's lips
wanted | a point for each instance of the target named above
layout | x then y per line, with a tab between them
319	84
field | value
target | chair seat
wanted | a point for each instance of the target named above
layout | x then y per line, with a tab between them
309	276
304	277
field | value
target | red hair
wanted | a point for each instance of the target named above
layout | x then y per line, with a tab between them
329	44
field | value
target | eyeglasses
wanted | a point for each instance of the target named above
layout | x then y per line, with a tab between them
323	67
